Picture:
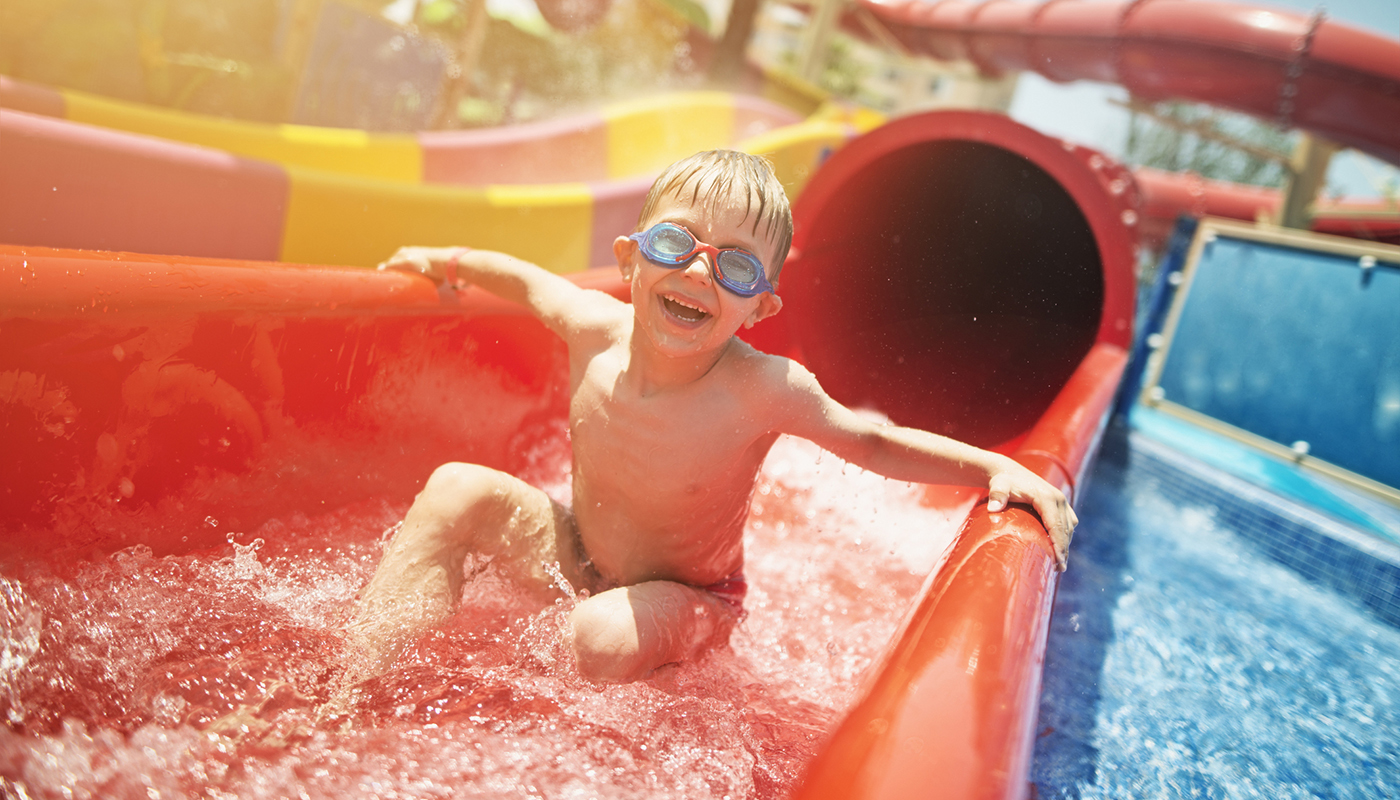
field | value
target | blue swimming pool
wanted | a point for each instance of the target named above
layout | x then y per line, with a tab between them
1187	660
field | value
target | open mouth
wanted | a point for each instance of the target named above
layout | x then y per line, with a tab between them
684	311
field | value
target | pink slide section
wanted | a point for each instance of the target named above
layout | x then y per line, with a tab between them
1333	80
71	185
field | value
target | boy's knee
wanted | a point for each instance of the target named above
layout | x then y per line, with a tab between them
456	478
605	641
457	487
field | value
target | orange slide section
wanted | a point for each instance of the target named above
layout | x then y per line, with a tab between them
956	271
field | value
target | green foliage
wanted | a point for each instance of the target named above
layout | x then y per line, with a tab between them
528	73
690	11
226	57
445	16
1152	143
211	56
843	72
85	44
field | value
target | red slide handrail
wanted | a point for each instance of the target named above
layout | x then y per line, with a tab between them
951	711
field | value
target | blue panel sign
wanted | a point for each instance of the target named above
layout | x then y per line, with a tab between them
1299	346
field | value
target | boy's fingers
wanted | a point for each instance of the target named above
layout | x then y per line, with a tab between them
1065	525
1053	508
1056	514
998	494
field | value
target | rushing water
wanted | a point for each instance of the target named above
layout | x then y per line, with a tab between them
1185	664
199	675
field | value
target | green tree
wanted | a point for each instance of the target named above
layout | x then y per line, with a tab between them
1186	136
211	56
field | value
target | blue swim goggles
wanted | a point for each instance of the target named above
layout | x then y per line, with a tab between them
668	245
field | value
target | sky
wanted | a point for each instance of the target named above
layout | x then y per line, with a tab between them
1082	112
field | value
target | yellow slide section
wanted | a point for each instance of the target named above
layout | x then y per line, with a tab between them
646	135
339	219
343	219
394	157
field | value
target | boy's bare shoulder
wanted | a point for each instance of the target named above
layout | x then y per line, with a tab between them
777	376
590	312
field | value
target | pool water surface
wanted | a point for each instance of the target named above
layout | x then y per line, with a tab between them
1184	663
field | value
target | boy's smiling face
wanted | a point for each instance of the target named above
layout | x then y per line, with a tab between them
683	310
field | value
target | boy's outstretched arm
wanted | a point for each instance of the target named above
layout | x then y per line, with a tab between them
559	303
914	455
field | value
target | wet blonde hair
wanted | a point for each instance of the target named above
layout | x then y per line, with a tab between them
718	174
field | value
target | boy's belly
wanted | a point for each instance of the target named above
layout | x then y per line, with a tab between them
685	545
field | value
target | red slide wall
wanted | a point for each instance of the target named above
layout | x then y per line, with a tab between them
136	382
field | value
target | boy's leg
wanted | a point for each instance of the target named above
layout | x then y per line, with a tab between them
624	634
464	508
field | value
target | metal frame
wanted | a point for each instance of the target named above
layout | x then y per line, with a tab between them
1208	231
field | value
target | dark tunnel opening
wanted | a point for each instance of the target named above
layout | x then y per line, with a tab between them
953	285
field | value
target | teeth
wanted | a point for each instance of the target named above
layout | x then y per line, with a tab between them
685	310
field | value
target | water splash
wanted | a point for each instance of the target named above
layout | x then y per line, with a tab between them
204	669
244	564
20	623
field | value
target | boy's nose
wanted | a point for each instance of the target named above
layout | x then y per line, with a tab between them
699	267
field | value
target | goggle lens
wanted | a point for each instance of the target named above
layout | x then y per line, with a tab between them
671	242
739	271
739	267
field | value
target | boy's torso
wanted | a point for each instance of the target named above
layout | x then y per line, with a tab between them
662	481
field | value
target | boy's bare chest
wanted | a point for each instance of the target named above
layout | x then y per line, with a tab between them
679	437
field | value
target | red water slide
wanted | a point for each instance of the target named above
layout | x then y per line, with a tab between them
956	270
1167	195
968	275
1308	72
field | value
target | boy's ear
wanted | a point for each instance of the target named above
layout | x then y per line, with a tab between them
624	249
768	305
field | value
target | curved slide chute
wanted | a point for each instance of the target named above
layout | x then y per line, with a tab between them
1285	68
1339	82
621	140
953	270
66	184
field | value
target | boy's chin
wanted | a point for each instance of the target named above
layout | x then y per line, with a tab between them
679	340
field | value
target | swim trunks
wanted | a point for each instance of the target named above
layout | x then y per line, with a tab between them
731	590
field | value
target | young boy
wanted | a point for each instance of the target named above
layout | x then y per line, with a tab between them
670	416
